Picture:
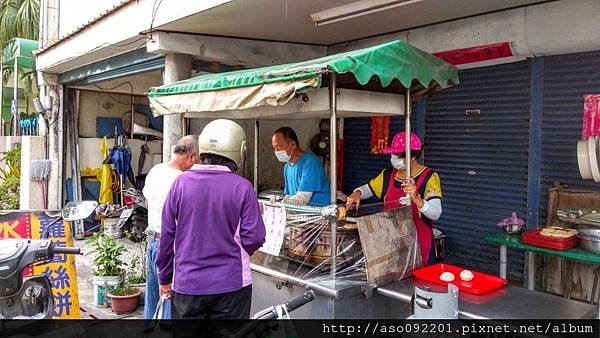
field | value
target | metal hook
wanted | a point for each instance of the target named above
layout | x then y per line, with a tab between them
145	138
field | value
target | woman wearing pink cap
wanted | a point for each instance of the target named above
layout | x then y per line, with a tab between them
423	190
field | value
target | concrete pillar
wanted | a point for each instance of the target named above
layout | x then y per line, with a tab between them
31	192
49	86
177	67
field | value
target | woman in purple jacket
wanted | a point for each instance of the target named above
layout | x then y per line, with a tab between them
211	225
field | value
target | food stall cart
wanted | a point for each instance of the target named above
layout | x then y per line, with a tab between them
379	80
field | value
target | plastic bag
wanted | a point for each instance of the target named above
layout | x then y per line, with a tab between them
511	220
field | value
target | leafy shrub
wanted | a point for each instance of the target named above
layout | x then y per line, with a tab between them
108	251
10	178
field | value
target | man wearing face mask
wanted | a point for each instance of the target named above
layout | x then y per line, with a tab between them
423	191
303	173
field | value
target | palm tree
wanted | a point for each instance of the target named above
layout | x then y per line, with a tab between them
19	19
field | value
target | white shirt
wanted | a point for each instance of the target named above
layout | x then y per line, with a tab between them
157	186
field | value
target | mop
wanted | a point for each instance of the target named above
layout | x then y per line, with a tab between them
40	169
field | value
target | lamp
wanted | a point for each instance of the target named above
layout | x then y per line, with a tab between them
357	9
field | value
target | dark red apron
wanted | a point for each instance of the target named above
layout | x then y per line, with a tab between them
392	201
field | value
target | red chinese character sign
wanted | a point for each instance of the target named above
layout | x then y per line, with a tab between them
61	270
380	133
591	116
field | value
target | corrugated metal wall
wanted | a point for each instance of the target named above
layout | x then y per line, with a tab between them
566	79
482	160
359	164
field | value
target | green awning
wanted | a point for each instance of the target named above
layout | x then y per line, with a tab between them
20	50
277	85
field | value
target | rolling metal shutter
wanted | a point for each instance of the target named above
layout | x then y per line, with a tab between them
359	164
566	79
482	160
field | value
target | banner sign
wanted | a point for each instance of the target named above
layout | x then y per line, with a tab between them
61	270
380	133
591	116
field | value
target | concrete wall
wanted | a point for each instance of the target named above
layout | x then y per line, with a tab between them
76	13
90	156
32	193
547	29
270	169
93	104
98	104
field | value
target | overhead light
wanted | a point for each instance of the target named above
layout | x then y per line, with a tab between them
357	9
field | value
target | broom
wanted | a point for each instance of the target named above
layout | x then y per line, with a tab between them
40	169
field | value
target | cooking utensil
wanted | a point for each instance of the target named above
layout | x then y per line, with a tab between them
512	229
593	154
591	217
583	160
590	243
589	231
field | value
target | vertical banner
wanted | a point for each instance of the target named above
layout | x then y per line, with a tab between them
61	270
591	116
380	133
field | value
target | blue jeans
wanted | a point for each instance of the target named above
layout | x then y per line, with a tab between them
152	285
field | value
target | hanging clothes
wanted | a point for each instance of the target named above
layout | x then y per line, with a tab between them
107	178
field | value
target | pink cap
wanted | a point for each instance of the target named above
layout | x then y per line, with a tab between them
398	145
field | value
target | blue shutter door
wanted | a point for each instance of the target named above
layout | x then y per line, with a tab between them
482	160
567	78
359	164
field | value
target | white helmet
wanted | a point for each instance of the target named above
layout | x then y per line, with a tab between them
224	138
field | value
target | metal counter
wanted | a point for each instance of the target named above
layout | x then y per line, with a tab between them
511	302
278	281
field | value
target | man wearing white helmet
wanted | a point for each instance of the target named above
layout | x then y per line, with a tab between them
211	225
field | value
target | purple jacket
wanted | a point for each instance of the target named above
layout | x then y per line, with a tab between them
211	225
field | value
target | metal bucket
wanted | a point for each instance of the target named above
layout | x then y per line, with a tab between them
111	227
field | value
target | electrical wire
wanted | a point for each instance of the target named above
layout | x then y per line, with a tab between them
155	8
104	90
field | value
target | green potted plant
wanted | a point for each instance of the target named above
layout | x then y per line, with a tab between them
109	268
124	299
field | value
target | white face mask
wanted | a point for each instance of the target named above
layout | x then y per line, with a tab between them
397	162
283	156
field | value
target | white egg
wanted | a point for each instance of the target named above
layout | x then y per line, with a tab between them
447	276
466	276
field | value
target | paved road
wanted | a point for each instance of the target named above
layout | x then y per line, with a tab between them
85	270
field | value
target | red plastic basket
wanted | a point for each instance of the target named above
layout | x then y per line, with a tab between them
533	237
481	284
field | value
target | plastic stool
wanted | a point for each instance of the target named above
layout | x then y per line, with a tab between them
593	298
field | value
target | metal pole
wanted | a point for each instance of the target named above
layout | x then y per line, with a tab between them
16	98
132	115
1	98
503	260
256	135
531	270
407	131
333	165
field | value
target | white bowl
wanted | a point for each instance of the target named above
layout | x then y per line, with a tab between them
583	159
593	153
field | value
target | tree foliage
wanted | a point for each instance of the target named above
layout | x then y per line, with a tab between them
19	19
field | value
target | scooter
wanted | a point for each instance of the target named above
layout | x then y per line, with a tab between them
134	219
267	319
31	297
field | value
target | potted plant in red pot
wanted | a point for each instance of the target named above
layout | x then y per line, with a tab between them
124	299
